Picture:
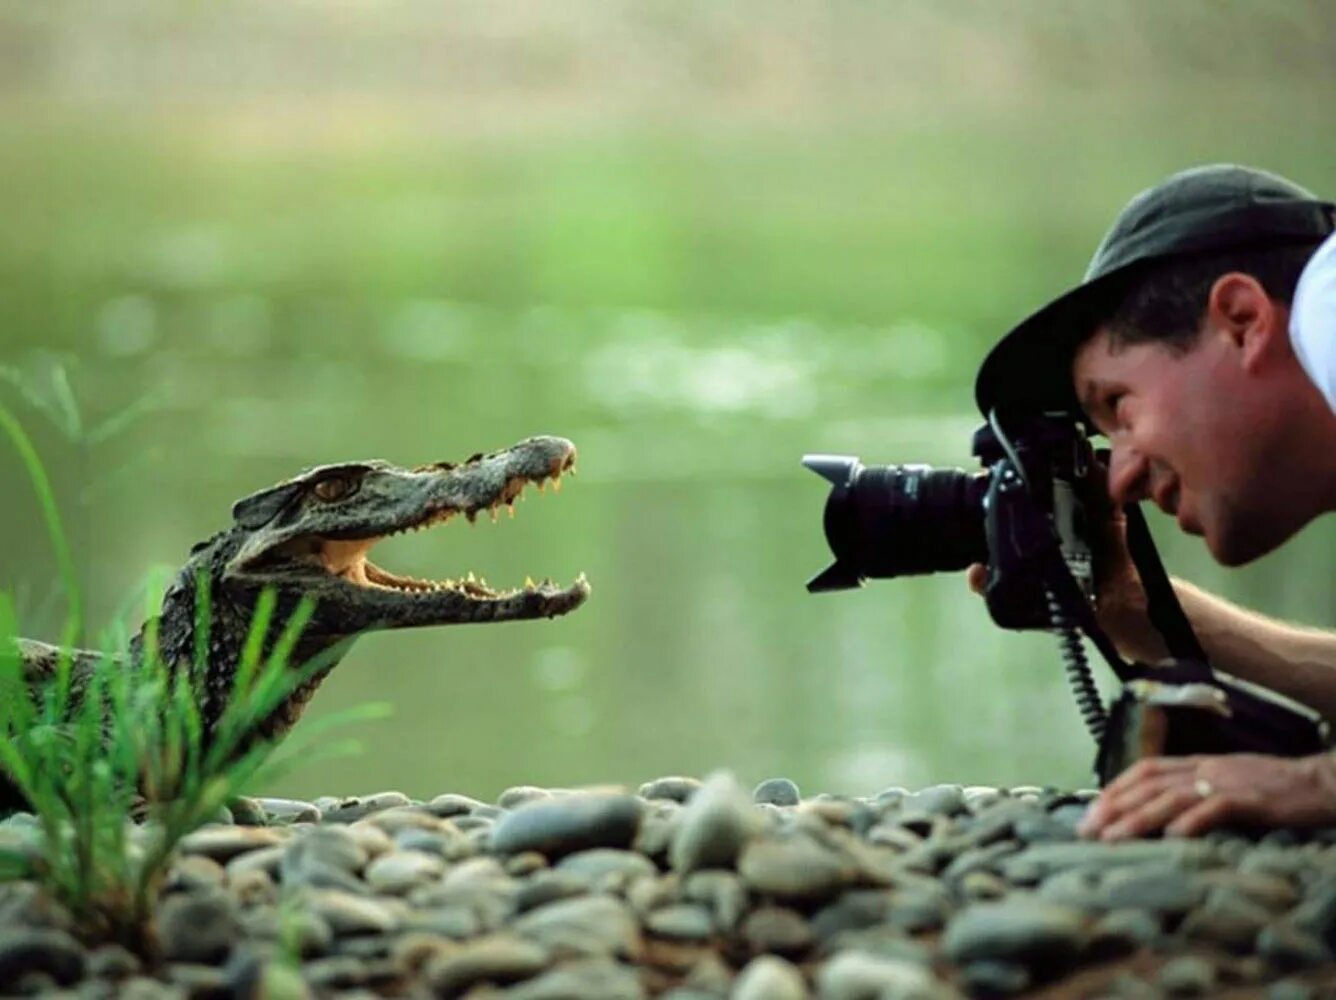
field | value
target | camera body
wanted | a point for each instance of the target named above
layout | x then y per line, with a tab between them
898	520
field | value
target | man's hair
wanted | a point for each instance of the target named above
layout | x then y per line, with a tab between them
1166	301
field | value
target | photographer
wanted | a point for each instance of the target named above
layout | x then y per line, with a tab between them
1202	343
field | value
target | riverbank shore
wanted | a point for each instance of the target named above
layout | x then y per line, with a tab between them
693	890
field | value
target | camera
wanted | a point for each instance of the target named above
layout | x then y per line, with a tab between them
1033	493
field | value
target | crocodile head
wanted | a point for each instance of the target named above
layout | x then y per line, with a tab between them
309	536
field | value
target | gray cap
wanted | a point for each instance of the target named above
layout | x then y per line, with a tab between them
1202	210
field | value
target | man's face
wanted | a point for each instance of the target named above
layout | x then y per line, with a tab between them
1190	431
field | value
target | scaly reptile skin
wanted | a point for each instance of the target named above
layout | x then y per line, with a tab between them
308	537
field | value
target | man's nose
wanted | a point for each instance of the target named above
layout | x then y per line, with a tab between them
1129	476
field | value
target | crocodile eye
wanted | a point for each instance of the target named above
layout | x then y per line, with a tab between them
335	488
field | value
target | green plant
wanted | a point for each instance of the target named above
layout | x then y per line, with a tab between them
89	752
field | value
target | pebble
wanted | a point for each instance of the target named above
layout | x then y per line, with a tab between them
586	925
222	843
1187	976
714	826
697	891
682	922
516	796
399	872
348	810
675	788
768	977
559	826
779	930
36	950
349	914
777	792
590	979
794	868
1029	931
287	811
854	975
500	958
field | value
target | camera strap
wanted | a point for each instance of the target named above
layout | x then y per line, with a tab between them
1166	613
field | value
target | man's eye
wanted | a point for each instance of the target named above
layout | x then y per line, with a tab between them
335	488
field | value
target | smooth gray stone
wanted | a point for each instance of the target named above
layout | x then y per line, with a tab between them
40	950
349	914
938	800
681	922
442	845
452	804
793	868
113	961
457	921
197	928
222	843
979	859
777	792
560	826
401	871
722	891
675	787
853	910
779	930
195	979
323	847
1153	887
193	873
1288	948
993	978
919	907
598	863
1045	859
1121	932
1187	976
1030	931
1228	919
285	811
853	975
714	826
353	808
27	904
549	886
1079	888
500	958
586	979
768	977
517	795
1291	989
586	925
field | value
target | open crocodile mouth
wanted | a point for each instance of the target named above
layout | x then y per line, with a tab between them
347	559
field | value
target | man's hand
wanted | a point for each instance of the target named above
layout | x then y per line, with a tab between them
1186	796
1120	599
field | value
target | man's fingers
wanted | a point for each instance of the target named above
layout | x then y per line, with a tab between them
1206	814
976	576
1153	815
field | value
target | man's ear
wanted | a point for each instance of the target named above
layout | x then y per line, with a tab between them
1239	308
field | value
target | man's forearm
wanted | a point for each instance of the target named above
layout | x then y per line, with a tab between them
1298	662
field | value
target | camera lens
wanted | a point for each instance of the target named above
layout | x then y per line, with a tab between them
898	520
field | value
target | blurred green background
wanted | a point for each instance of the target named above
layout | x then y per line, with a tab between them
698	238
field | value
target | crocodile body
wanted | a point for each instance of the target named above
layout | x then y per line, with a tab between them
307	538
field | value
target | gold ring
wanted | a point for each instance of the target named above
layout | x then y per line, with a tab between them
1203	788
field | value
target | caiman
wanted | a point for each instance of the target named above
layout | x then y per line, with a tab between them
308	538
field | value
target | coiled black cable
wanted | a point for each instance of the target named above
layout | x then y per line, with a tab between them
1076	667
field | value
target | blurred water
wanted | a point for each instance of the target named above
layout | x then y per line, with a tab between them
697	242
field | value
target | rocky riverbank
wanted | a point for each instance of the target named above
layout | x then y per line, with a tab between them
694	890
